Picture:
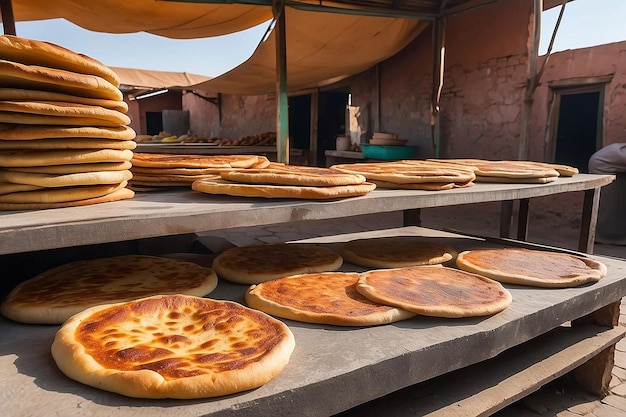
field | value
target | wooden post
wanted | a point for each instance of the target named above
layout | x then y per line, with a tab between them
8	20
282	100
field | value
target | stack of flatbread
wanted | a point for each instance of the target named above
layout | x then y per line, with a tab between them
64	139
154	171
412	174
287	181
507	171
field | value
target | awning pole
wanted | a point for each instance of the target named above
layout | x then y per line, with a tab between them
8	20
282	100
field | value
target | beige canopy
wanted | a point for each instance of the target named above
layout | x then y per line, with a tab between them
322	48
140	78
164	18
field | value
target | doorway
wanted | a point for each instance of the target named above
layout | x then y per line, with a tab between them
331	121
577	119
154	122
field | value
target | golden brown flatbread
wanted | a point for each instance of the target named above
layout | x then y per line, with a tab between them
223	187
8	188
75	168
65	180
61	194
32	77
294	175
396	251
117	195
156	160
68	143
33	158
324	298
10	131
173	346
436	291
259	263
53	296
49	110
532	267
46	54
17	94
409	172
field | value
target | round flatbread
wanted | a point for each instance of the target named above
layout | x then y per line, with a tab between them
29	132
33	158
436	291
294	175
170	178
61	194
46	54
403	172
323	298
56	109
75	168
173	346
33	77
426	186
155	160
532	267
65	180
17	94
68	143
55	295
43	203
259	263
8	188
224	187
38	119
396	252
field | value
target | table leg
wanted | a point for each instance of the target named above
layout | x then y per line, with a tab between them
412	217
595	374
506	214
522	220
589	220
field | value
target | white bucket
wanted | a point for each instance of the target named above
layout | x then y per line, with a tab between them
343	143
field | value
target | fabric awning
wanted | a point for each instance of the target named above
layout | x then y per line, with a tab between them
149	79
164	18
322	48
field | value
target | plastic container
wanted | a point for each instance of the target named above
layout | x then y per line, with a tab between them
387	153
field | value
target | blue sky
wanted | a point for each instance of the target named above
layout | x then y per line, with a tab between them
585	23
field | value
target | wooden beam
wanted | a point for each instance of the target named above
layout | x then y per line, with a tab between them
282	99
8	20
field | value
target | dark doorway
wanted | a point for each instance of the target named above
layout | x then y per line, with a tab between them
300	121
578	131
332	121
154	122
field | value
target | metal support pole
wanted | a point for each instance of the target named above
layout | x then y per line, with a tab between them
282	100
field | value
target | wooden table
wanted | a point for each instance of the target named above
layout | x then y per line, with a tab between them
334	369
181	212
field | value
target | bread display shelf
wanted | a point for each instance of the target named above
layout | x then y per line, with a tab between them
179	212
345	366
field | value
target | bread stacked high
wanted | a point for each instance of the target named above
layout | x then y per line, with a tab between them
64	139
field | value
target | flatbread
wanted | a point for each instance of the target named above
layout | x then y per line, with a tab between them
75	168
46	54
323	298
68	143
29	132
223	187
65	180
260	263
532	267
505	168
403	172
396	252
61	194
170	178
509	180
426	186
53	296
32	158
8	188
195	161
117	195
294	175
17	94
37	119
64	110
33	77
173	346
436	291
